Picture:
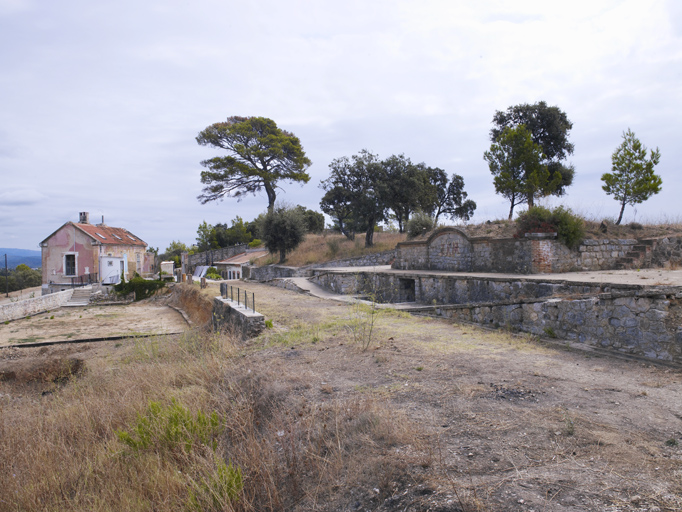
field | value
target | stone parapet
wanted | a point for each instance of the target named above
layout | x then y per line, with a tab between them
28	307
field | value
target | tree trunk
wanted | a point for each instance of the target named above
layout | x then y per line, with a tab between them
272	195
369	236
530	201
620	217
282	255
511	210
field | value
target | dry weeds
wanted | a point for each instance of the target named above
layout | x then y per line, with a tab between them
327	247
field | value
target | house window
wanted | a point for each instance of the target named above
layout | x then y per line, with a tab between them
69	264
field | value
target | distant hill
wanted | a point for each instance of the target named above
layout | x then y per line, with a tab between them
18	256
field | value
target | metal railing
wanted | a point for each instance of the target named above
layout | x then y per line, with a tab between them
83	280
230	295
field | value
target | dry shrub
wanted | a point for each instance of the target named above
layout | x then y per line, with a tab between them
61	451
321	248
197	305
296	454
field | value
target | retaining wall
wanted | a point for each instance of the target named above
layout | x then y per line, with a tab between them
190	261
236	318
644	321
645	324
450	249
368	260
28	307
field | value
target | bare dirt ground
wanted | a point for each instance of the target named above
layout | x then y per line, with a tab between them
511	424
73	323
26	293
499	422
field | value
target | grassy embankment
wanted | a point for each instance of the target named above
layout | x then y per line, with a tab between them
182	423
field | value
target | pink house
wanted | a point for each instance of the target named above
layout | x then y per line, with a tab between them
82	253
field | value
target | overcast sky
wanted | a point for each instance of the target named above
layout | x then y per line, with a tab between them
100	102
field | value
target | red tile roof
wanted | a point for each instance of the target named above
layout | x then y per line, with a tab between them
107	235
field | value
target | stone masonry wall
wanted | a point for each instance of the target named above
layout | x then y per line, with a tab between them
632	319
209	257
236	318
603	254
368	260
443	289
28	307
667	251
646	325
450	249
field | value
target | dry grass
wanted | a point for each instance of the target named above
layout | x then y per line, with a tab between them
60	451
321	248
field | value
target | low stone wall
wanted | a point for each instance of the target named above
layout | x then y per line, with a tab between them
666	251
646	324
426	288
28	307
644	321
228	315
269	272
190	261
603	254
450	249
368	260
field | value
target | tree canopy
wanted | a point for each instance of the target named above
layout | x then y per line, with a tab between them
516	163
446	198
632	179
549	128
260	156
360	182
283	230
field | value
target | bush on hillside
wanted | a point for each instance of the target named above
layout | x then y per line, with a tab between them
419	224
569	227
143	288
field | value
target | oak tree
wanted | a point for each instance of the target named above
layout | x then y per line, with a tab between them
516	163
283	230
260	155
632	179
549	128
360	184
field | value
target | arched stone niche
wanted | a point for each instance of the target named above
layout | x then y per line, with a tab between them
449	249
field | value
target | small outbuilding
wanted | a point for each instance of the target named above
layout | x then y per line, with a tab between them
232	268
80	253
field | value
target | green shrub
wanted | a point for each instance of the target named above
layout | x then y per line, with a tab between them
570	228
214	276
255	243
143	288
419	224
218	490
171	427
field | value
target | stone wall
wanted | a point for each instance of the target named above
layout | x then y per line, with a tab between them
638	320
28	307
190	261
450	249
228	315
368	260
444	289
666	251
603	254
270	272
645	324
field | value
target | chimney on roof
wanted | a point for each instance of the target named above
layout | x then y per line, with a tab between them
84	218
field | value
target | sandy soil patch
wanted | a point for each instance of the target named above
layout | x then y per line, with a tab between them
512	424
72	323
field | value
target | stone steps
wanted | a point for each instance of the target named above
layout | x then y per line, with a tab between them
80	297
